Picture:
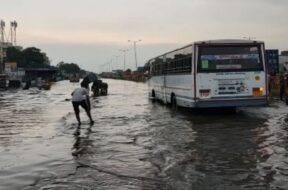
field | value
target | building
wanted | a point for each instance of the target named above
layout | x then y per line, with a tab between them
48	74
272	58
15	74
3	49
285	53
283	62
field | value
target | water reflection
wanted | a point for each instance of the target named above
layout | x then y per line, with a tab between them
137	144
82	142
224	152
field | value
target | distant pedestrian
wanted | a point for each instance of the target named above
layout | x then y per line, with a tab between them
282	86
270	80
79	98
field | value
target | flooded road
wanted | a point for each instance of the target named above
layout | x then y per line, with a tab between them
137	144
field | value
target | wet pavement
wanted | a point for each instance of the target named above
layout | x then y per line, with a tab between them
137	144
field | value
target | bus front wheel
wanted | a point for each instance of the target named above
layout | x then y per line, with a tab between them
153	94
173	102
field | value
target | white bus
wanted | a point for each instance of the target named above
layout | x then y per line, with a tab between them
216	73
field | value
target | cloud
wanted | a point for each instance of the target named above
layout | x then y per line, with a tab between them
80	26
93	56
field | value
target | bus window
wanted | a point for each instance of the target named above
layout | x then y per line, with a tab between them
230	58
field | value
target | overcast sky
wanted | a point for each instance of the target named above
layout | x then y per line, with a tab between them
90	32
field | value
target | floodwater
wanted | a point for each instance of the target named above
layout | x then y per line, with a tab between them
137	144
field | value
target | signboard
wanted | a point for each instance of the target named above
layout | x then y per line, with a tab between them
11	65
272	58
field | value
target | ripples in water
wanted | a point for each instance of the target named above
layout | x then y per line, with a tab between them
137	144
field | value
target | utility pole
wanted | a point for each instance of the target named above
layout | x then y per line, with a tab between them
102	67
110	65
2	27
116	60
124	55
14	25
11	31
135	52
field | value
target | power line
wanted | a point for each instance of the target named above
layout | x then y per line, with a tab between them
135	50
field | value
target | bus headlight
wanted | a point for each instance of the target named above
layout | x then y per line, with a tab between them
258	91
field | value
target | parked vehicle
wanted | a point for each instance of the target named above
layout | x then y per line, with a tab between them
217	73
74	78
3	81
99	88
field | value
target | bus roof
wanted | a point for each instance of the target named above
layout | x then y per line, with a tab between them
217	41
228	41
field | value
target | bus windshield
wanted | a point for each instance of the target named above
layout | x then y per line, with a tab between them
228	58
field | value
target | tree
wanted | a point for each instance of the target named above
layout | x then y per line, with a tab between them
46	59
14	55
69	68
28	58
33	58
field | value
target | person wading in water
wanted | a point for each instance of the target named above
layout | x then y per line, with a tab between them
79	98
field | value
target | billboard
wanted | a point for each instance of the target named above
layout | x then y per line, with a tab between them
11	65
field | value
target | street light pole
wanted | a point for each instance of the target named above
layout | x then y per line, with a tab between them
2	26
116	60
103	67
124	55
108	66
111	64
135	51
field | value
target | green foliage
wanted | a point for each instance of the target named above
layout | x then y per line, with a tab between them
13	55
28	58
68	68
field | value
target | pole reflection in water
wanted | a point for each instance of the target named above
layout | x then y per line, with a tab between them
137	144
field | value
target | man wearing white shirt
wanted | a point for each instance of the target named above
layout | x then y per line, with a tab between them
79	98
